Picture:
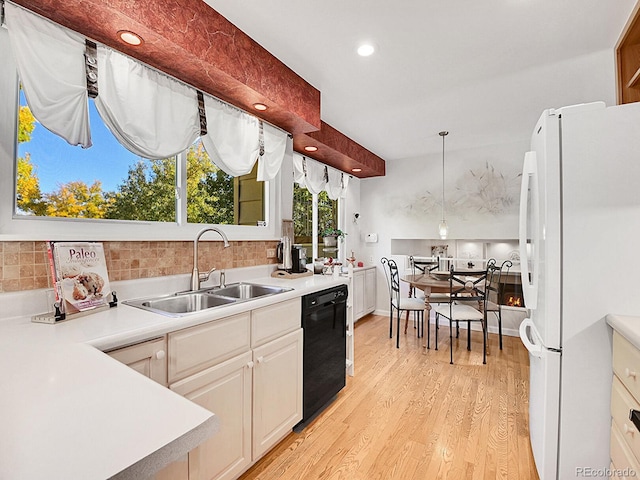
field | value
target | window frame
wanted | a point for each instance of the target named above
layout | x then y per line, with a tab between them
18	227
315	234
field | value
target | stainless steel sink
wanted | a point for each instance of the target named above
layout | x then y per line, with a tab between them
185	303
246	291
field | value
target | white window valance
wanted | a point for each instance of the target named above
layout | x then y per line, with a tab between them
277	145
336	183
232	139
150	114
51	65
317	177
298	170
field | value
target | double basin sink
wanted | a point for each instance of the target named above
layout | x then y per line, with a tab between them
184	303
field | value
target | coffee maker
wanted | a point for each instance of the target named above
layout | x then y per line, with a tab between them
283	252
298	259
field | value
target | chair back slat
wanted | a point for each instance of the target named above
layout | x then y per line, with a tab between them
413	266
393	277
494	278
422	266
467	285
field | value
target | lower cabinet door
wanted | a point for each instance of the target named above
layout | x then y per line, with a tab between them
224	389
277	390
178	470
358	295
370	290
147	358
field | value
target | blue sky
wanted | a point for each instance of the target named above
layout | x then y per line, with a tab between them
57	162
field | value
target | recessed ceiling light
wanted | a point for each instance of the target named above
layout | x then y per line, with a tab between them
130	38
260	106
366	49
310	148
356	170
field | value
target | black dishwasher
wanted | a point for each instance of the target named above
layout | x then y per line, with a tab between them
324	317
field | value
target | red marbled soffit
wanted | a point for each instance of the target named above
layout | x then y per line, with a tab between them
190	41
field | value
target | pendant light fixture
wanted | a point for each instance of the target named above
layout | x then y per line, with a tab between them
443	229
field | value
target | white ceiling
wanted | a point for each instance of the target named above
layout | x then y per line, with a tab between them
483	70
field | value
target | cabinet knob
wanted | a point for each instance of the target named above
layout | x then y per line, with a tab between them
260	359
160	354
627	429
630	373
250	364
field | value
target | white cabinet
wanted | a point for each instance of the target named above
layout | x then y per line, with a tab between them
247	369
224	389
370	290
363	291
277	383
147	358
625	396
358	294
195	348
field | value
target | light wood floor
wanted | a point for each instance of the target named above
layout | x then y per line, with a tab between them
408	414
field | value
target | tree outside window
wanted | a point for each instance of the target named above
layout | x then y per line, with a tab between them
327	214
146	192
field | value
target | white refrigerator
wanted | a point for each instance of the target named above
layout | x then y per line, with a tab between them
580	253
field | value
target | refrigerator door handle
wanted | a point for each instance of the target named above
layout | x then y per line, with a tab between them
534	349
529	197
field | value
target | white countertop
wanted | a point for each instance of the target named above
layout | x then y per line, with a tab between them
69	411
626	325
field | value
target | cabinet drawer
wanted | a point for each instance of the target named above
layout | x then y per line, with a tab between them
273	321
196	348
621	403
625	463
626	363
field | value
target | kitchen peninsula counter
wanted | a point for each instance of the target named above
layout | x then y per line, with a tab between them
627	326
70	411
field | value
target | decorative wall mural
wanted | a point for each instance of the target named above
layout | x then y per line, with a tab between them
470	193
485	191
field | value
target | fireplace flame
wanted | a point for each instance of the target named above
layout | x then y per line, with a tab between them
514	301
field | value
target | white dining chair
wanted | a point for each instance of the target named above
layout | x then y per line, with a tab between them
466	292
400	304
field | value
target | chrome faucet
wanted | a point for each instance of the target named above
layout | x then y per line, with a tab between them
197	277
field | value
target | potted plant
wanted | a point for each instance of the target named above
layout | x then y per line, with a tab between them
331	235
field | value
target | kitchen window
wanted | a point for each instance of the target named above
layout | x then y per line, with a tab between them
50	189
312	213
107	181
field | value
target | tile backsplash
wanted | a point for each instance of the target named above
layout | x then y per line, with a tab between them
25	265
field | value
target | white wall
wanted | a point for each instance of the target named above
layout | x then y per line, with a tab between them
406	202
481	183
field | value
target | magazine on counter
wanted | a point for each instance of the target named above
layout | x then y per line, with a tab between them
80	277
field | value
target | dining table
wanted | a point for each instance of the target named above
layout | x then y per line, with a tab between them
430	282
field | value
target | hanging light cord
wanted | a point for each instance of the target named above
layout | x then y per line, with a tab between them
443	134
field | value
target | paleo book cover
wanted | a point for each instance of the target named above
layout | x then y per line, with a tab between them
80	275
